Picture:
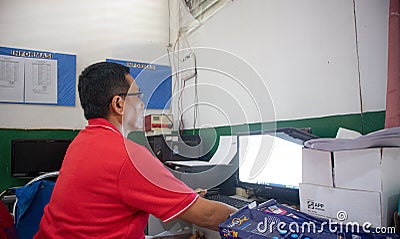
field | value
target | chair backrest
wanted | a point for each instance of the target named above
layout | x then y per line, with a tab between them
30	203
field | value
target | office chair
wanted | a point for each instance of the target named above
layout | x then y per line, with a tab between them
30	202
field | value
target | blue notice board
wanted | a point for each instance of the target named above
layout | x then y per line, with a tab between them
66	73
153	80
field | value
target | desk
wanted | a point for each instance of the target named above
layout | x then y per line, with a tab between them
209	234
156	226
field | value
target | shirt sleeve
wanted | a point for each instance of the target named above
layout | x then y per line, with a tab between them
145	184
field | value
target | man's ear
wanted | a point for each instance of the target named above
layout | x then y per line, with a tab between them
117	104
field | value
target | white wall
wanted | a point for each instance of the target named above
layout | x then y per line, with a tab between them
305	53
284	59
372	30
93	30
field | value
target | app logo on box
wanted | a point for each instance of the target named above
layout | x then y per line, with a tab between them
311	204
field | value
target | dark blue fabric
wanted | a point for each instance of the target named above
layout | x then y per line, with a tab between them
32	199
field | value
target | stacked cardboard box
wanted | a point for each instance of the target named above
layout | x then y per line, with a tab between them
354	185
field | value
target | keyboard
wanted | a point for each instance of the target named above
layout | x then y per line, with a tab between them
234	202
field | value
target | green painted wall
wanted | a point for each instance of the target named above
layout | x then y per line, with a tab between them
323	127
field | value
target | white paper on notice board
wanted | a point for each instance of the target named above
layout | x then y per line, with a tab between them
11	79
40	81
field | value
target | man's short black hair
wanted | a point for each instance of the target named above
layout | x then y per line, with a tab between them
98	83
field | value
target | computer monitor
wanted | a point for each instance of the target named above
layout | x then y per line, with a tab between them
270	162
176	147
32	157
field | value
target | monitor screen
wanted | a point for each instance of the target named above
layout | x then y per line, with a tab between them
32	157
272	162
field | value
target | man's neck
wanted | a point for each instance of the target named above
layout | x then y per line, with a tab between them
116	121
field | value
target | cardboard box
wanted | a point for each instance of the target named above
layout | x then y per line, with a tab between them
358	169
354	206
374	170
317	167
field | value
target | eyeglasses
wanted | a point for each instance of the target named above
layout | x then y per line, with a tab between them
138	94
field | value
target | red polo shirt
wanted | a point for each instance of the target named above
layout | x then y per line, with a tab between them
108	186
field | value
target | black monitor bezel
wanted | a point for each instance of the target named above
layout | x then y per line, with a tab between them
31	173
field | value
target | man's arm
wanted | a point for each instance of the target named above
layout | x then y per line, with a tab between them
207	213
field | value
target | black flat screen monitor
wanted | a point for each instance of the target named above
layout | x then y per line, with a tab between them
32	157
176	147
270	163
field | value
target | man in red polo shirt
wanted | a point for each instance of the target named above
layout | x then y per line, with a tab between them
108	185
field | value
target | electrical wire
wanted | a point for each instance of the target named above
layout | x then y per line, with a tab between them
196	95
180	78
176	51
195	76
